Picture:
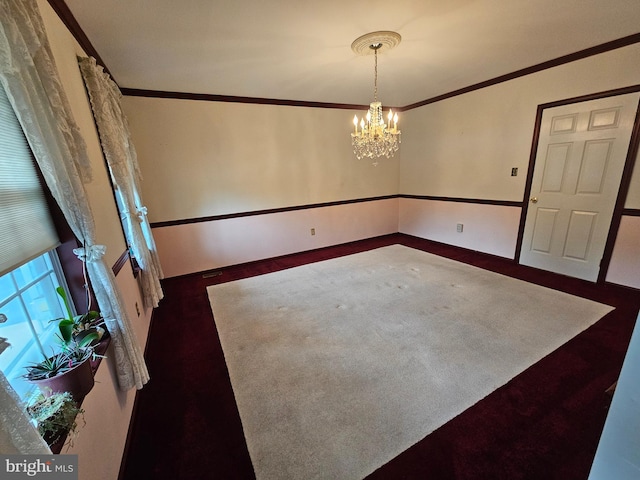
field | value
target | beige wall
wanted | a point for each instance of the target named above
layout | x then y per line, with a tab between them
201	158
466	146
100	443
196	247
486	228
633	198
625	263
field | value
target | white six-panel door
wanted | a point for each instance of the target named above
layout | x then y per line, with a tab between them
581	155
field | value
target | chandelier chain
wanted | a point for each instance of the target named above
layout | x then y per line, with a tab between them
375	76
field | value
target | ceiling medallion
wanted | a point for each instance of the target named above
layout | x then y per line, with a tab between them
387	40
375	138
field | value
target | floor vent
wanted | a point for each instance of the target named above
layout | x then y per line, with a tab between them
213	273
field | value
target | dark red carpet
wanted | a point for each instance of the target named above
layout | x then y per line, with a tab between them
544	424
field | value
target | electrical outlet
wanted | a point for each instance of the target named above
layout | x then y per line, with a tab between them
514	172
313	231
137	309
459	227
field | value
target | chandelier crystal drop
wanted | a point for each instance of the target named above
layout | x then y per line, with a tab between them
372	136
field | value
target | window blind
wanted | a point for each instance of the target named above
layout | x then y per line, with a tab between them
26	227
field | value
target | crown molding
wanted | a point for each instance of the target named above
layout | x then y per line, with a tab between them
572	57
62	10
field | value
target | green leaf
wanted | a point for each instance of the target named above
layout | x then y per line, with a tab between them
87	337
66	329
63	295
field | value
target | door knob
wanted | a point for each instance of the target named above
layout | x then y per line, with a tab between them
534	199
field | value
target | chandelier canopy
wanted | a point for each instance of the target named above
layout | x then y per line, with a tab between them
375	138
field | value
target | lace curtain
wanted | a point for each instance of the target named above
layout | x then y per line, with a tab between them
17	434
122	160
29	75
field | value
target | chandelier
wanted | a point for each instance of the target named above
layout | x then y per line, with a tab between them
374	138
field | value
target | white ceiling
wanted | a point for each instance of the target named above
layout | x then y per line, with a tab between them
301	50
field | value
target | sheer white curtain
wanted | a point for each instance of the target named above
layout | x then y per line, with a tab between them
123	163
30	77
17	434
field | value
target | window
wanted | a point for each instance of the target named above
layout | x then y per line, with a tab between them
29	267
28	303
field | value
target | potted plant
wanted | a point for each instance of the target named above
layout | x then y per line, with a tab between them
55	416
79	327
69	370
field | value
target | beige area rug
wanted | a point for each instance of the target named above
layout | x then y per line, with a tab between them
339	366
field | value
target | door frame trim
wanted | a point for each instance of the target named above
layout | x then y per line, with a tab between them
625	181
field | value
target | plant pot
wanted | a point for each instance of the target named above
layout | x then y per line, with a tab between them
78	381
